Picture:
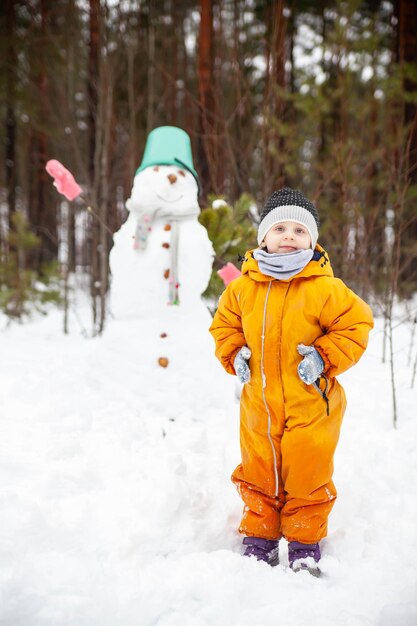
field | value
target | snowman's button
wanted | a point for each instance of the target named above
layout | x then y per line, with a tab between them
166	274
165	245
167	227
163	335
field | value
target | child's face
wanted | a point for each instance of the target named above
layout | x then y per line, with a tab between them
287	237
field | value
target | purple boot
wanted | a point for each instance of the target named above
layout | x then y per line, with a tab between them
262	549
304	556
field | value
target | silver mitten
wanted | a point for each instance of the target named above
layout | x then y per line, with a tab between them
312	364
241	364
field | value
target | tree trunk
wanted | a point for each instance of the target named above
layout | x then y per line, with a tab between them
92	85
406	13
93	146
131	50
207	143
107	122
10	135
172	104
70	98
280	27
187	110
151	71
42	206
275	84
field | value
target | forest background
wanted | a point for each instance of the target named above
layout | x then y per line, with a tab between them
320	96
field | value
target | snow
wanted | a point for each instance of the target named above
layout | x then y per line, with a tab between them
117	506
218	203
115	498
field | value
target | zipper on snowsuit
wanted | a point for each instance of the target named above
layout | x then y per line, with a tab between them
323	393
263	378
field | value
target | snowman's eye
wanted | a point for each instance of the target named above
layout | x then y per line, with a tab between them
181	173
156	168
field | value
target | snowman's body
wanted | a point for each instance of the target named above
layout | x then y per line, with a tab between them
164	201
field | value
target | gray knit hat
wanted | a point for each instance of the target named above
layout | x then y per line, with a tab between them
289	205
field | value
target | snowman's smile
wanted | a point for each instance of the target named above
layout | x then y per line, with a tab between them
169	201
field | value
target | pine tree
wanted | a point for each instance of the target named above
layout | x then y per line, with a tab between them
23	290
232	232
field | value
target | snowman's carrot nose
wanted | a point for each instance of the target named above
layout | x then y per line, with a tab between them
172	178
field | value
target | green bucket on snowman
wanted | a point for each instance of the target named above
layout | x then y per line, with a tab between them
168	145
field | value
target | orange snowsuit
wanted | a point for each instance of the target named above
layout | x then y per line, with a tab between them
287	433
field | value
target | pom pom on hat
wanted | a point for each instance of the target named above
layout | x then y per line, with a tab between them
289	205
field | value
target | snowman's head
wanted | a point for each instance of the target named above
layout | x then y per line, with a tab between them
164	190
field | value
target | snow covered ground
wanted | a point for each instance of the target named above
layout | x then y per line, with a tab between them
117	509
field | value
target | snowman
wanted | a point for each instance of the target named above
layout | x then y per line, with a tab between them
162	257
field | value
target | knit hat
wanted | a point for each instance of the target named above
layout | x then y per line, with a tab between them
289	205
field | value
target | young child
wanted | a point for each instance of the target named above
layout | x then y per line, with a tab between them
287	328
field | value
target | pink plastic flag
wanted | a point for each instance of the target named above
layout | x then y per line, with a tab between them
64	181
228	272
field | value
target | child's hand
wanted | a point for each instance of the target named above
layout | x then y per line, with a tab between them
241	364
311	366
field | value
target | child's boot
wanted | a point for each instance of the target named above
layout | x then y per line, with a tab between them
266	550
304	556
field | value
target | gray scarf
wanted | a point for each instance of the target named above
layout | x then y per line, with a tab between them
143	228
282	266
